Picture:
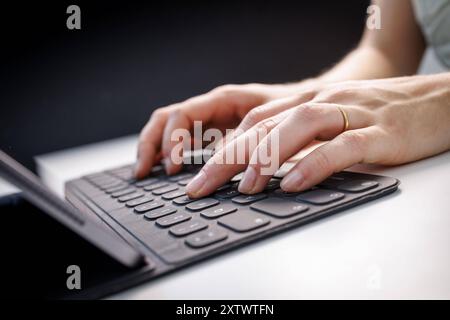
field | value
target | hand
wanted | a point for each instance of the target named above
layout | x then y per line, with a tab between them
391	121
223	107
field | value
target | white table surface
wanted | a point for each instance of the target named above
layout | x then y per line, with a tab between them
394	247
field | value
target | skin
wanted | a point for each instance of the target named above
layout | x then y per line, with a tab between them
394	116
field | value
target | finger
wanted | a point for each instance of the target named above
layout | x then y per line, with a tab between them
204	108
349	148
272	108
177	121
293	133
231	159
150	142
262	112
306	123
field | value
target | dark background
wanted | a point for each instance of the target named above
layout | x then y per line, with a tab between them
62	88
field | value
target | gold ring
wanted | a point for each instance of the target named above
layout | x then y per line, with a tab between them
345	116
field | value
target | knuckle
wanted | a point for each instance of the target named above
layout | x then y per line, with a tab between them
226	90
307	112
305	95
265	126
253	116
336	94
158	114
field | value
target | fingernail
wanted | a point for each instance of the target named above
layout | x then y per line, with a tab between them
292	181
197	183
248	181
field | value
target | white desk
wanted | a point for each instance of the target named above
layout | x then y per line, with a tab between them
395	247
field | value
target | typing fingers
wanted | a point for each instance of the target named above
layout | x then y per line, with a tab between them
231	159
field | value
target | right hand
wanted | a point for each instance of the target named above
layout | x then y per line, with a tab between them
222	108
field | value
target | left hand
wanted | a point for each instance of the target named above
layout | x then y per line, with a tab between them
391	121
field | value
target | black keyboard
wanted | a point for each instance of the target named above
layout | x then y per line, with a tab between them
176	229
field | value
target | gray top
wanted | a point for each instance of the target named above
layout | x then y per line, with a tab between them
434	18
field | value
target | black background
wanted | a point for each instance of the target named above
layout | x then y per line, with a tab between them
62	88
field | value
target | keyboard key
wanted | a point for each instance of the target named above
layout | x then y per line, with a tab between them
249	198
189	227
272	184
105	183
224	187
184	182
119	170
181	176
117	188
98	176
93	176
157	170
237	177
202	204
138	201
148	206
167	189
216	212
101	177
173	194
228	193
333	181
123	192
206	238
183	200
110	185
131	196
126	175
146	182
279	207
131	180
173	219
282	193
156	185
357	185
244	220
320	196
158	213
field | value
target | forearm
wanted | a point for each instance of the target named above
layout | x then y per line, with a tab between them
363	63
392	51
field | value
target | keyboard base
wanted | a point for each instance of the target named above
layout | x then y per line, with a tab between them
167	253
